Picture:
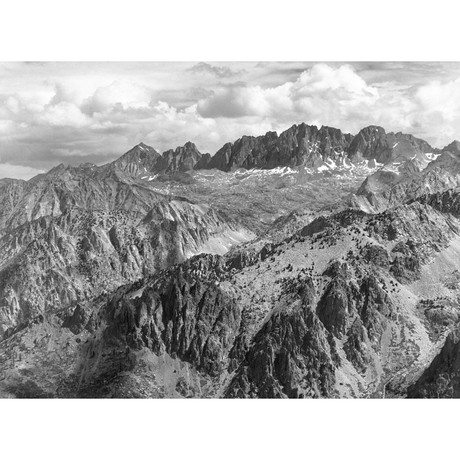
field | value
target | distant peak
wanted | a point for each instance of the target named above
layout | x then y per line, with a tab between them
141	146
453	146
188	148
374	128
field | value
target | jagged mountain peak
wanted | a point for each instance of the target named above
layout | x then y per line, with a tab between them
370	143
373	128
374	143
140	159
188	147
183	158
142	150
300	144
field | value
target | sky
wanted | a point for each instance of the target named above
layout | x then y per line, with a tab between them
78	112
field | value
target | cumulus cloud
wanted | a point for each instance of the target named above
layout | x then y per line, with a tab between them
63	114
319	91
440	97
121	93
234	102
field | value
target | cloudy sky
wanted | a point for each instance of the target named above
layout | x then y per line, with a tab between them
73	113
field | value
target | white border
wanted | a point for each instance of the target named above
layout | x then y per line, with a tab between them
237	30
179	30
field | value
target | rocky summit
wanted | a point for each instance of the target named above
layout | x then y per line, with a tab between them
307	264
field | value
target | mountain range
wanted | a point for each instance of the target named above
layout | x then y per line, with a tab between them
313	263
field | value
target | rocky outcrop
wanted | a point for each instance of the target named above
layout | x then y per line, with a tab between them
371	143
79	320
442	377
335	306
406	265
446	202
291	357
346	307
182	159
11	191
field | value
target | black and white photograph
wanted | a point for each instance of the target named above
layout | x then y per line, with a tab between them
230	230
210	227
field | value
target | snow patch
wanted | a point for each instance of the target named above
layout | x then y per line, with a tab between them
432	156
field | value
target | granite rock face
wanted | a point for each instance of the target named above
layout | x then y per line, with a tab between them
299	145
182	159
373	143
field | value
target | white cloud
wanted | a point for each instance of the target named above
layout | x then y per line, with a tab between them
236	101
317	93
63	114
126	93
440	97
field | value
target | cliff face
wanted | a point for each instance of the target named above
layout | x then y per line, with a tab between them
299	145
292	355
182	159
11	191
374	143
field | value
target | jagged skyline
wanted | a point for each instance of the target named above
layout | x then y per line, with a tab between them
78	112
